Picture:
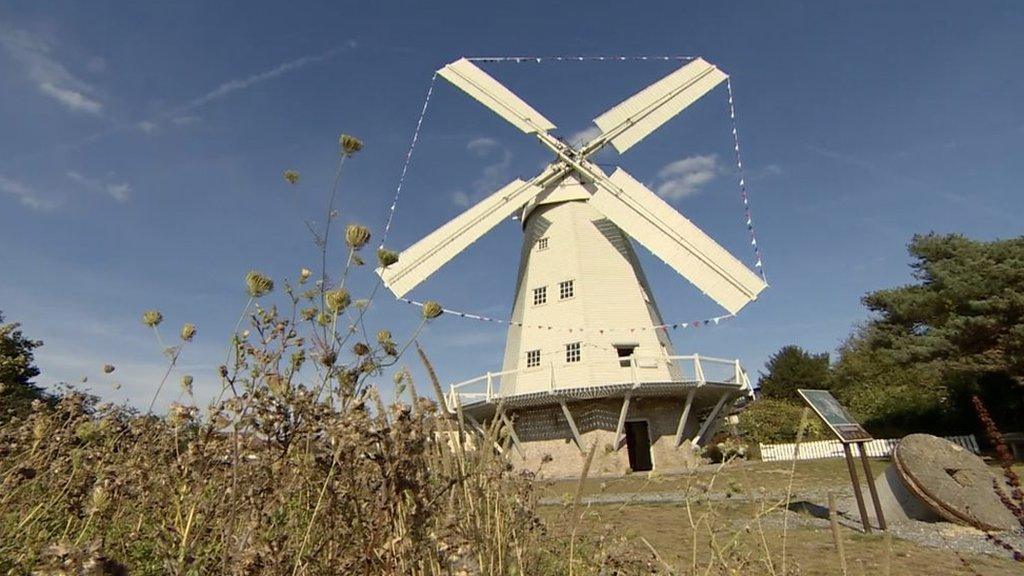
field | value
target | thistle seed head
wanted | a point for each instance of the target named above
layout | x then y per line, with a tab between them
386	257
356	236
304	275
291	176
350	144
188	331
257	284
152	318
432	310
108	368
186	384
360	349
337	300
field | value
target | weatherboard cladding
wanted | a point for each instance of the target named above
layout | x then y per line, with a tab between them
608	293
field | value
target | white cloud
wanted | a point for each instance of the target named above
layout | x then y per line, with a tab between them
26	195
119	191
577	139
147	126
50	76
70	98
481	146
493	175
685	177
185	120
237	84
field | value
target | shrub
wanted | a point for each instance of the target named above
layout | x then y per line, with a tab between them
769	421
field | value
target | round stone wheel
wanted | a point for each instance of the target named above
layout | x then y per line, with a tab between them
953	482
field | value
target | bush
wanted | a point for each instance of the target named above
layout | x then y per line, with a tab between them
769	421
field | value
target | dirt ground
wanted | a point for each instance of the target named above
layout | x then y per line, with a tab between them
735	519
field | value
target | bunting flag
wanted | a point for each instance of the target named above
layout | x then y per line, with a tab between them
509	322
744	196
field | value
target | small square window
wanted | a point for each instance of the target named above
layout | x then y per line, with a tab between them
533	358
542	244
540	295
566	290
572	352
625	353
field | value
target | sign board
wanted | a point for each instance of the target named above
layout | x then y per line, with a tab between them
832	412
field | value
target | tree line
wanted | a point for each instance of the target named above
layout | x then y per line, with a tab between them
928	347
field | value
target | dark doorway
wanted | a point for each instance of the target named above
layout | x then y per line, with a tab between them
638	446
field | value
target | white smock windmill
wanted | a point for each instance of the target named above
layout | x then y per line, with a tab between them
587	353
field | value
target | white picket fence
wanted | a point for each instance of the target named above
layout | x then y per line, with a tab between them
834	448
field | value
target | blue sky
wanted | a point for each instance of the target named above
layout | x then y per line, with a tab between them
142	146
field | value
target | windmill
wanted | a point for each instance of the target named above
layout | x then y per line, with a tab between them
615	378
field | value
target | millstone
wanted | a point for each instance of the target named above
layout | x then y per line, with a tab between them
952	482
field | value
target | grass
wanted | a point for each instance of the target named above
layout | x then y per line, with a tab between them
723	527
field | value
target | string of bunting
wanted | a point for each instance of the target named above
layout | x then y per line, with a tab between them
747	215
674	326
408	160
539	59
744	195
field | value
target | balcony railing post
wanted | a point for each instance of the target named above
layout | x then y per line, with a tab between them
632	369
551	378
738	374
490	384
698	371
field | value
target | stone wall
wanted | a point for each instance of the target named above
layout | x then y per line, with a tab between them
544	432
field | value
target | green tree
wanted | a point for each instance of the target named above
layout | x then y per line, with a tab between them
965	314
957	330
791	368
888	397
17	371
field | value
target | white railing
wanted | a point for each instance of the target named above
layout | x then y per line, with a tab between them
691	369
879	448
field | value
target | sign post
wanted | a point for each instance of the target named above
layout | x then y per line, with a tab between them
849	432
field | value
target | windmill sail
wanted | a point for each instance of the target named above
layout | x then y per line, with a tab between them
678	242
489	92
425	257
642	113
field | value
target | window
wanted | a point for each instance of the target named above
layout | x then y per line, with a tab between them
533	358
540	295
565	290
542	244
625	352
572	352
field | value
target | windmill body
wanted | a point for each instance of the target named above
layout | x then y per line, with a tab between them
587	359
578	269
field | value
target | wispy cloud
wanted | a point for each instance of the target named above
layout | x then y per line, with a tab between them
493	175
26	195
51	78
147	126
482	146
685	177
182	115
577	139
245	82
119	191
